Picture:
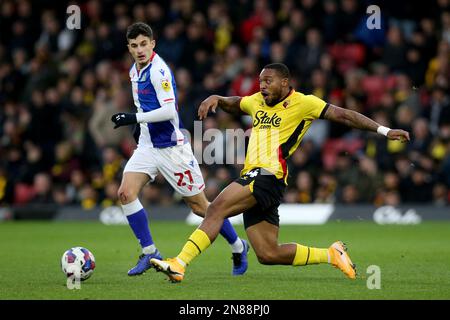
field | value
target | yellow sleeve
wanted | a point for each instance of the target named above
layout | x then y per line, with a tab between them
314	106
247	104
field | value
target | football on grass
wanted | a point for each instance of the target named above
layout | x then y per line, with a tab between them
78	262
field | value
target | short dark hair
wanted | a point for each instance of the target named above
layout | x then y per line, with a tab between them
139	28
281	68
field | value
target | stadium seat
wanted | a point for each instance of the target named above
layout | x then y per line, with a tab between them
347	56
332	147
374	86
23	193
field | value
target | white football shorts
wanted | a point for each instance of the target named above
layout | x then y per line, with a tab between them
177	164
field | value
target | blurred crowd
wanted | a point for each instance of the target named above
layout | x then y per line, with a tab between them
59	88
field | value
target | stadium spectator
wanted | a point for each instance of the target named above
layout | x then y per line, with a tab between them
370	179
33	163
421	140
418	187
440	195
309	55
59	195
438	110
57	86
73	189
325	192
42	189
246	83
350	195
65	162
304	188
99	123
394	52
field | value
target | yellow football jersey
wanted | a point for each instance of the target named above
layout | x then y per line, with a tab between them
278	130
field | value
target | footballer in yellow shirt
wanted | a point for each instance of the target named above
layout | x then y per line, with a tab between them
281	116
278	129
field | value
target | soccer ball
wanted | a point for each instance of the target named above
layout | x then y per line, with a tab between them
78	262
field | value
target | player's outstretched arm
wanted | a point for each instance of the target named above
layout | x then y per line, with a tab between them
228	104
359	121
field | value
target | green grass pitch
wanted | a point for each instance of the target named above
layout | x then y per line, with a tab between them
414	263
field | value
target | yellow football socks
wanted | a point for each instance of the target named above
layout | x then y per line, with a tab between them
196	244
308	255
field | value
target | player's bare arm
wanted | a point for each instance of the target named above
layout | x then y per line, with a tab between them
228	104
359	121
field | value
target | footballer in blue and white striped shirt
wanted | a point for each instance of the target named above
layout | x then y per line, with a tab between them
162	148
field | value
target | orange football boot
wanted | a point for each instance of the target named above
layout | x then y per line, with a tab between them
171	267
341	260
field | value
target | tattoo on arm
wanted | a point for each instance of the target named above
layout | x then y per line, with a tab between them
350	118
230	104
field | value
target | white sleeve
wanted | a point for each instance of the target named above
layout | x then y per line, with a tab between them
166	112
161	79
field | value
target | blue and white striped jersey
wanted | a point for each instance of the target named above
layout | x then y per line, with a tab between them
152	87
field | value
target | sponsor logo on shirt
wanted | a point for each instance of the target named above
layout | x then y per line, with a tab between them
143	91
266	121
